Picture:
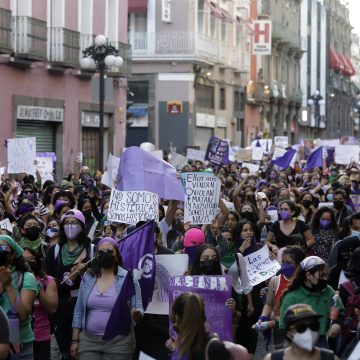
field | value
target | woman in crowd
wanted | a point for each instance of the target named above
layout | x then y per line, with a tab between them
325	231
254	214
64	262
45	305
286	226
102	289
310	285
52	231
307	207
18	289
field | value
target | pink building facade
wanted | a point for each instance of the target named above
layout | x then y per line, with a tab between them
45	94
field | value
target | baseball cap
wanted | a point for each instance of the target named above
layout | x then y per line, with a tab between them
311	262
74	214
194	237
299	312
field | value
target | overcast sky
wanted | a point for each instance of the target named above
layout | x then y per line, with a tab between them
354	7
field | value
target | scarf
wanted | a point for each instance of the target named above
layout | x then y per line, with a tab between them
68	257
33	245
229	257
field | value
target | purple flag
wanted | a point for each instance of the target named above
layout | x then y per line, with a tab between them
217	151
137	251
285	160
315	159
140	170
119	322
215	290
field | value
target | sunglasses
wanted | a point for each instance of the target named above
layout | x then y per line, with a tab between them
105	251
314	326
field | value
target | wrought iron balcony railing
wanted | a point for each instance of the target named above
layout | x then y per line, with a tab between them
5	31
125	53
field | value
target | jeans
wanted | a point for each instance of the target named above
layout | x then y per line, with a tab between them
26	353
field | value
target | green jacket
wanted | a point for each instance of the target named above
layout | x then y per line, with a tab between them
320	301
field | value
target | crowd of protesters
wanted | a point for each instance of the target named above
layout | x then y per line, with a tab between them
61	271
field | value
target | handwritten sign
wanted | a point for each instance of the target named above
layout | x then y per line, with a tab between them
217	151
202	191
266	144
214	290
281	141
45	166
253	168
6	225
109	177
21	155
260	267
345	154
130	207
278	152
166	266
356	201
257	153
195	154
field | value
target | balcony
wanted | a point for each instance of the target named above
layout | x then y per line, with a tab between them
125	53
257	92
295	96
64	47
286	36
30	38
5	31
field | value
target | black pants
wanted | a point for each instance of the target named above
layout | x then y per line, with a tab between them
42	350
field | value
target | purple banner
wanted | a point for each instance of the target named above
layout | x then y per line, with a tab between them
217	151
214	290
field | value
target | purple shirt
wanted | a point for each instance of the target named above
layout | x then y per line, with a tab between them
99	307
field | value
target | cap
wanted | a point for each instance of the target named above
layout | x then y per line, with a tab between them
299	312
25	206
194	237
311	262
59	205
75	214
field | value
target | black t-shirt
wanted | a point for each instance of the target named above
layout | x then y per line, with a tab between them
281	239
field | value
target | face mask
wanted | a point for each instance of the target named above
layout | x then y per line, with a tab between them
329	197
244	175
251	198
264	204
179	218
288	270
292	198
338	204
87	213
355	233
52	232
272	177
106	260
29	197
209	267
72	231
284	215
315	183
307	203
191	251
290	177
247	215
105	213
305	340
321	285
325	223
228	183
32	233
4	257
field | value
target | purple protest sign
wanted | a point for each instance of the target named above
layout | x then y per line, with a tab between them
214	290
217	151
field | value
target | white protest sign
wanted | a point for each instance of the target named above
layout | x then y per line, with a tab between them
329	143
253	168
202	191
257	153
2	171
6	225
110	175
345	154
45	166
166	266
281	141
143	356
130	207
260	267
266	144
178	161
278	152
21	154
194	154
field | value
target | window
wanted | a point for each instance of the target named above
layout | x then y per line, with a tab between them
112	20
222	104
205	96
236	101
201	16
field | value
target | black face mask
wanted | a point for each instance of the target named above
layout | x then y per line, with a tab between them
321	285
248	215
210	267
228	183
35	268
251	198
106	260
87	213
32	233
4	257
307	203
338	204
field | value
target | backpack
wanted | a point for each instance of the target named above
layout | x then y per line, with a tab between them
236	352
351	319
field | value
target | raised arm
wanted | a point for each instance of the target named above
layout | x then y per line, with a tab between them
170	213
224	213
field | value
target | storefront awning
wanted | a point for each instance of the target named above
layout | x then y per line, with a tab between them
347	71
137	111
137	6
334	60
352	69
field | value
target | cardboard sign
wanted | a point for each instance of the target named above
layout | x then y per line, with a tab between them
257	153
243	155
253	168
45	166
202	192
166	266
214	290
21	155
130	207
260	267
109	177
345	154
281	141
217	151
194	154
6	225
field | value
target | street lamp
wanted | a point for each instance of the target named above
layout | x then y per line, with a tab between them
316	100
101	55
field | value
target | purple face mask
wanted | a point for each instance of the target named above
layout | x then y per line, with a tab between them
288	270
285	214
325	223
273	177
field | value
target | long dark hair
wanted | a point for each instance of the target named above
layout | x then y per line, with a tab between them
95	269
195	269
38	260
46	199
188	311
296	253
236	235
315	224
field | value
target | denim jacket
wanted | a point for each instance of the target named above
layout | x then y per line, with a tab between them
86	286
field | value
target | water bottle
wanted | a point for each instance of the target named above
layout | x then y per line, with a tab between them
263	326
14	327
335	306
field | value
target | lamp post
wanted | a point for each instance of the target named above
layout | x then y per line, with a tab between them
101	56
316	100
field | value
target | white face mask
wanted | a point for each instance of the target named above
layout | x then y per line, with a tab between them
305	340
355	233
